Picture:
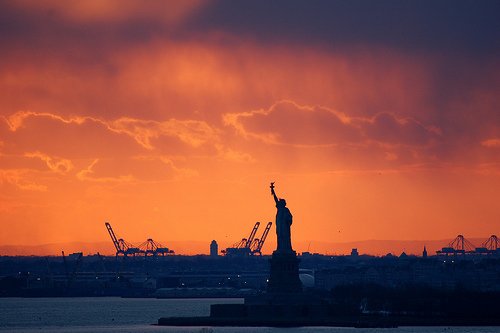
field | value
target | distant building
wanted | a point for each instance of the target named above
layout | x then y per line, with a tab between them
214	249
424	253
354	252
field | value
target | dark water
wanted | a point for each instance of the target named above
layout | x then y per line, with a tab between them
113	314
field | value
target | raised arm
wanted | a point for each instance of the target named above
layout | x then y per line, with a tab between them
274	193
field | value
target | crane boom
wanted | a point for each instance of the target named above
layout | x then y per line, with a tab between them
252	235
263	238
241	244
113	238
255	244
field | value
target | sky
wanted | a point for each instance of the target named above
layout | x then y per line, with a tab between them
169	119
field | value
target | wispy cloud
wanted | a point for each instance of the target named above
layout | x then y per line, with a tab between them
288	123
88	174
178	172
191	132
58	165
491	143
16	120
21	178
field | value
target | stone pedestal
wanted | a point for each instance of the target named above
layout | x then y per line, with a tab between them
284	277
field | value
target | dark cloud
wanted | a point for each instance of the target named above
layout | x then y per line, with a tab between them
42	33
464	25
386	128
111	65
456	25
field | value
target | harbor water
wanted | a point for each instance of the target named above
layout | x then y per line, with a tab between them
114	314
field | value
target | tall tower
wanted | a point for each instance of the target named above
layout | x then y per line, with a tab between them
214	249
424	253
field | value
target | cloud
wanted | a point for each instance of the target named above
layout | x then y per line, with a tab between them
16	120
116	11
390	156
394	99
491	143
461	25
192	132
21	178
389	128
186	85
288	123
58	165
229	154
172	170
135	169
458	25
88	174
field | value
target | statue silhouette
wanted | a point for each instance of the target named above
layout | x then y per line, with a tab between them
283	223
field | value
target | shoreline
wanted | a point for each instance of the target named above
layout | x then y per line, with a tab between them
363	321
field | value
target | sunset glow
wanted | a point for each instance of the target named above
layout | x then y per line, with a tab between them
170	119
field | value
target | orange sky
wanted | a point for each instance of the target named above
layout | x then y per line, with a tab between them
173	129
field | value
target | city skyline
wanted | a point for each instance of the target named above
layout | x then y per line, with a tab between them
170	119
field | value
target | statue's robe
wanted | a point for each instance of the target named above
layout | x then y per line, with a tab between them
283	223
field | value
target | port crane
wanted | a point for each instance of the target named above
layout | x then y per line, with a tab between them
492	243
250	239
489	246
251	245
258	243
242	248
459	245
121	246
150	247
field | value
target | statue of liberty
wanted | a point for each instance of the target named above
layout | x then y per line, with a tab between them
283	223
